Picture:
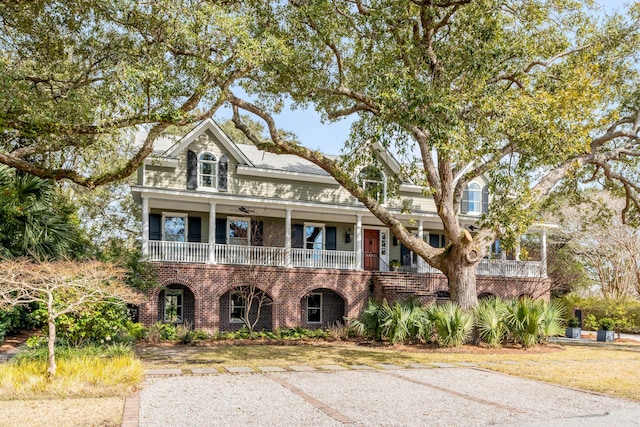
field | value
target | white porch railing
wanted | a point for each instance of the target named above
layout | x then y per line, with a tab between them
500	268
178	251
510	268
310	258
249	255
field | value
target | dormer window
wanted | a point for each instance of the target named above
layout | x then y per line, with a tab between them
207	168
374	182
475	199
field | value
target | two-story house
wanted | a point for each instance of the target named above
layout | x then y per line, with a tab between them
217	215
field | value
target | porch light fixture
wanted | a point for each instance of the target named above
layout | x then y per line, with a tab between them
348	235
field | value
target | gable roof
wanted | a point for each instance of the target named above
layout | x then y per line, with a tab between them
209	125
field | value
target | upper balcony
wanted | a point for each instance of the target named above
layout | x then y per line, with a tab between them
188	252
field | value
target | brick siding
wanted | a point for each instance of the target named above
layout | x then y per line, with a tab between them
206	290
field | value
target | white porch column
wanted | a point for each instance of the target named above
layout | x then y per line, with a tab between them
212	233
145	226
358	242
543	252
287	237
518	249
421	237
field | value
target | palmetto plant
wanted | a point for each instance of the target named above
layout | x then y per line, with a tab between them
370	321
553	319
490	317
398	322
452	324
526	320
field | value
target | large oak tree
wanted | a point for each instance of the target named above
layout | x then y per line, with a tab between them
529	94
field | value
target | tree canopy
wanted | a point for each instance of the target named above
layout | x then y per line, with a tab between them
531	95
527	94
79	78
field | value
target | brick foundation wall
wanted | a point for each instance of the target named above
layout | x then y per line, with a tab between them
286	286
344	293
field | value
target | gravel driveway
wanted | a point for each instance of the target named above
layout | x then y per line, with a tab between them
391	397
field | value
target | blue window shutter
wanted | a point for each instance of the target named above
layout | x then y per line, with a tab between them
223	164
195	227
192	170
485	199
332	239
297	236
464	207
155	227
221	231
405	255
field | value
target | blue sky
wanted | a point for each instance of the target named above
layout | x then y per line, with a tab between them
329	138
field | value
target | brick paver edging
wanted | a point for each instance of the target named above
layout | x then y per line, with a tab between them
131	412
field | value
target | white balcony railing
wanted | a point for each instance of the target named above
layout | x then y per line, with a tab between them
178	251
310	258
249	255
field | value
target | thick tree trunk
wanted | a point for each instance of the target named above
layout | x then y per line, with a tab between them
462	265
462	284
51	368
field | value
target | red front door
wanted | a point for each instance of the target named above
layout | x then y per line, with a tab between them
372	250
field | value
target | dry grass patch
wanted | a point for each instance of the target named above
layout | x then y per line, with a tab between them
81	373
612	369
62	413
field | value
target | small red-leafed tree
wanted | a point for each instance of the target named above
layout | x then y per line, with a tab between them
64	287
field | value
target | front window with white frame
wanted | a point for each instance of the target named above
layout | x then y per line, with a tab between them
239	231
475	198
237	307
374	183
314	236
314	308
174	227
173	299
207	169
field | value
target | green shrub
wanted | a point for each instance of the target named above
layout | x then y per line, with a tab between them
573	322
490	317
626	314
590	322
606	324
103	323
136	330
161	332
525	321
452	324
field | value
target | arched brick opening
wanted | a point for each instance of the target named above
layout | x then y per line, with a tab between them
183	301
486	295
229	313
321	307
442	296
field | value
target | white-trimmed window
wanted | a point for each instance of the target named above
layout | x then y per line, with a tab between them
314	236
173	306
374	182
314	308
237	307
238	231
174	227
475	198
207	170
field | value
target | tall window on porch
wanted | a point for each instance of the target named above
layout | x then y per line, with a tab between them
173	306
238	230
374	182
314	236
237	307
207	167
174	229
314	308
